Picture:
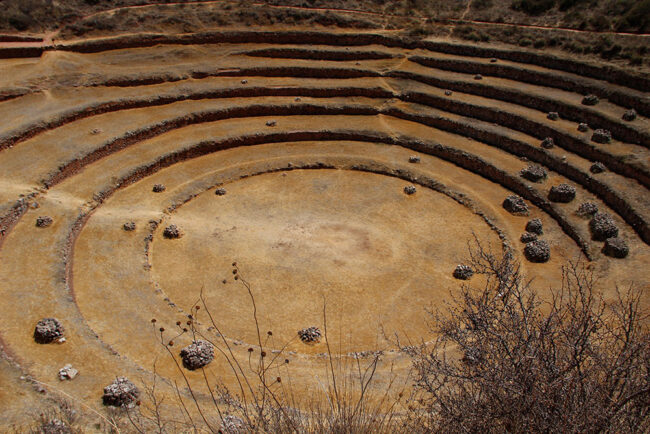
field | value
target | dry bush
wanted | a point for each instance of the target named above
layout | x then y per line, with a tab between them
503	360
263	400
506	361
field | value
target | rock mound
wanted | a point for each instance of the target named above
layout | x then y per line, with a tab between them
527	237
602	226
410	189
197	355
120	393
515	205
597	167
48	330
548	143
563	193
616	248
587	209
601	136
629	115
463	272
172	232
44	221
310	335
537	251
534	173
590	100
534	226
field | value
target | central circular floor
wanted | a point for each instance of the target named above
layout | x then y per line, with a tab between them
349	241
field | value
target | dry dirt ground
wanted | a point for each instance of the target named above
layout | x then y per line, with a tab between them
312	145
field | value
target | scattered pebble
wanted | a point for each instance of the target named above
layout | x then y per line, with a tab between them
96	131
232	425
54	426
583	128
478	77
220	191
493	60
244	81
159	188
448	93
129	226
553	116
271	123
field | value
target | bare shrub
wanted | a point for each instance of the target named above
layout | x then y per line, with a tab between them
506	361
261	401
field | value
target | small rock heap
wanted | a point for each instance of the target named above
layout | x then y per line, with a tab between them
601	136
563	193
463	272
172	232
197	355
537	251
121	393
590	100
534	226
616	248
534	173
49	330
410	189
44	221
602	226
310	335
515	205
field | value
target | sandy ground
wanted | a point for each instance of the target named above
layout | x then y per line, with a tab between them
333	238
